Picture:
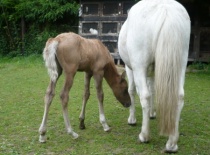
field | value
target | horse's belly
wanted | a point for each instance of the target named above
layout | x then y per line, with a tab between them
122	45
84	66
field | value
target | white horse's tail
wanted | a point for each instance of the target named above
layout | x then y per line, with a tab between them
168	66
49	55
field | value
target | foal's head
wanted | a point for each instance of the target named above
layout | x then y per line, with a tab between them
121	91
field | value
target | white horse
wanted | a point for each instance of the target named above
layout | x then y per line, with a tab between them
155	38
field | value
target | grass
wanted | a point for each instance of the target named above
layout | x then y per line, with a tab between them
23	82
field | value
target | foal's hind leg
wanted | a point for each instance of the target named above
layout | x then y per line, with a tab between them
131	91
98	83
85	98
64	99
48	100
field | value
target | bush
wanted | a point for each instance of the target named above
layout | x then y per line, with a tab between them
199	66
39	20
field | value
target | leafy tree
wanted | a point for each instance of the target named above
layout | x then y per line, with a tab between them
46	10
24	21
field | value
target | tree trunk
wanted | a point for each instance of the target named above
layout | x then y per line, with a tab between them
22	35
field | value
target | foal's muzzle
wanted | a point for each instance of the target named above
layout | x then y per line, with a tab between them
127	104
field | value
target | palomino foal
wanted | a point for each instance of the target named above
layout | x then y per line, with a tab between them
68	52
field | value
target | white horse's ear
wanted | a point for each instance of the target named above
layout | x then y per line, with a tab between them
123	75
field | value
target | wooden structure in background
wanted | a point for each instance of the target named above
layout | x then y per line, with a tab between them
199	12
108	16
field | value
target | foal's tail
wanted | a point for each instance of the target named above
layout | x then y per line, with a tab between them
49	55
169	62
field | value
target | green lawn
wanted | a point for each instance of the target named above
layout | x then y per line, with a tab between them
23	82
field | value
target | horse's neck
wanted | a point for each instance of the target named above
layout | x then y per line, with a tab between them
110	74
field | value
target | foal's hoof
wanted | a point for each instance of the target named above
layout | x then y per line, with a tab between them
75	135
108	129
82	126
42	138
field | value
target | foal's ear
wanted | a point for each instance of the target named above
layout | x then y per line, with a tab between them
123	75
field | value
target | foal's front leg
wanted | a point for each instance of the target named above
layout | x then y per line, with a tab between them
98	83
85	98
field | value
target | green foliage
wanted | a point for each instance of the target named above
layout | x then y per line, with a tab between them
36	40
40	19
46	11
199	66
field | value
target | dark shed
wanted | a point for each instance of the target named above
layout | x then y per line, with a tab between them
103	20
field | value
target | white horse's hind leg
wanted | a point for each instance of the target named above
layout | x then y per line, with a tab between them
131	91
171	145
48	100
144	94
150	83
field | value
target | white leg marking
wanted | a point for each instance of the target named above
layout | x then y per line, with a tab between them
68	125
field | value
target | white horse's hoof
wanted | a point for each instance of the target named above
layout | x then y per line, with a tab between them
42	138
143	138
153	115
132	121
171	148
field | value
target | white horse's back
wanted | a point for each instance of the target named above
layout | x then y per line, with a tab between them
148	17
158	32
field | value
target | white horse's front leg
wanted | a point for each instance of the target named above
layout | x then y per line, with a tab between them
144	135
98	83
131	91
145	95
